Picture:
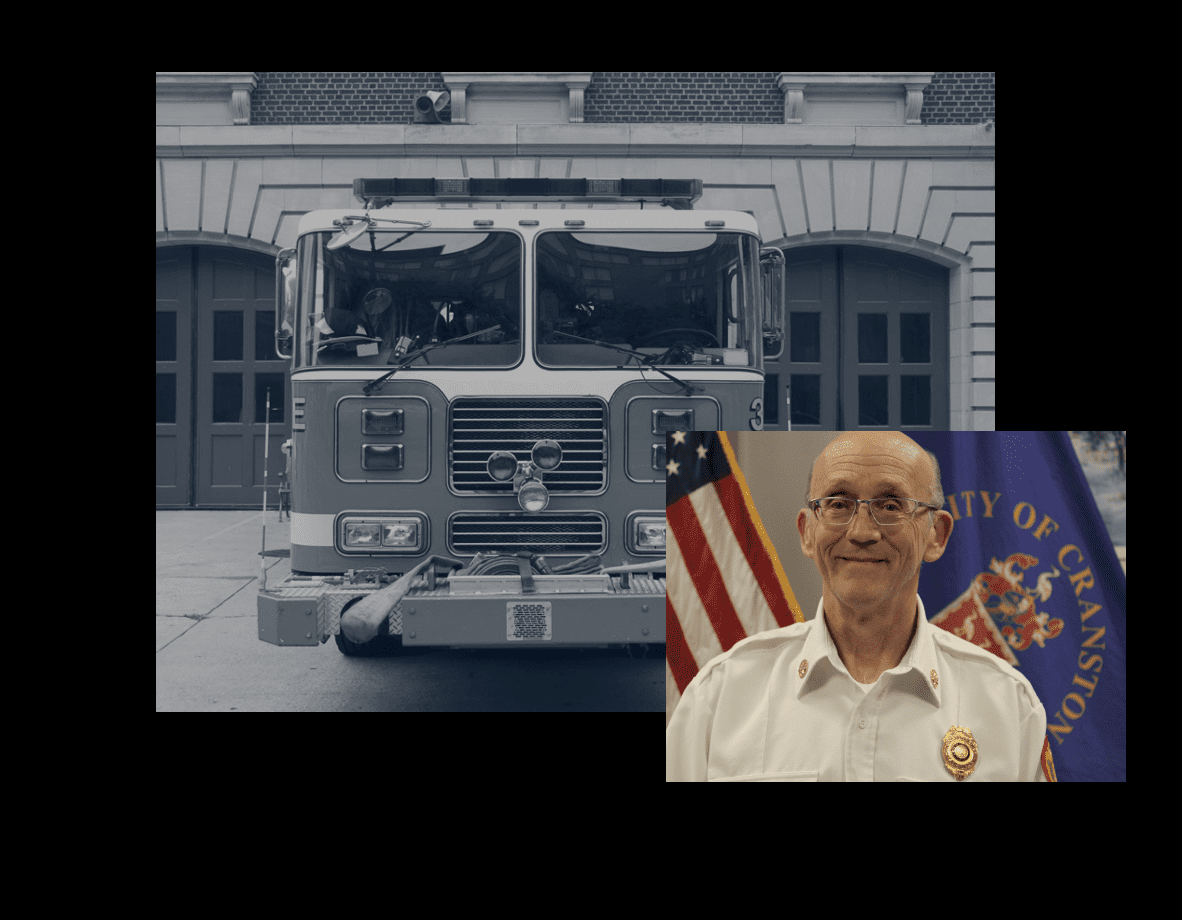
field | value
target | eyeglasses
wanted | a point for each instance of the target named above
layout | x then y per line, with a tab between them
838	509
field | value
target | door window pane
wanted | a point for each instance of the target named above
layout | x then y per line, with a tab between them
264	335
166	399
771	399
915	338
806	399
872	400
227	397
227	335
275	383
916	398
165	336
806	336
872	338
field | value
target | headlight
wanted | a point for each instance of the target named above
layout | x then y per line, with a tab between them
363	534
403	533
648	534
375	534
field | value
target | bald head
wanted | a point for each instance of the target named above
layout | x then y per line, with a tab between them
894	451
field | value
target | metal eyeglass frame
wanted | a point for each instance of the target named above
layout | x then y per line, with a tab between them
815	504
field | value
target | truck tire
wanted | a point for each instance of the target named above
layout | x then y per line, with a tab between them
381	645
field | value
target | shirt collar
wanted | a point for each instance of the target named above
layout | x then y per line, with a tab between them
916	673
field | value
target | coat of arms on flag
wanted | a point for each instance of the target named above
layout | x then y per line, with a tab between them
1031	574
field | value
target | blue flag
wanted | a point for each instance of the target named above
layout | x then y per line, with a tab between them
1030	574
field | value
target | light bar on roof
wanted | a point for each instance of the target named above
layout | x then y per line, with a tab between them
681	192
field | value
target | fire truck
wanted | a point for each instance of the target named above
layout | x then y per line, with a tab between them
485	372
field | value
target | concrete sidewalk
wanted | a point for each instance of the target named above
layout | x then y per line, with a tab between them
207	565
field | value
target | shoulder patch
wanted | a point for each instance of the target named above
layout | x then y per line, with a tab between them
1048	764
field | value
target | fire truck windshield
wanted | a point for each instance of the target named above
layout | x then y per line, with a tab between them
417	287
683	298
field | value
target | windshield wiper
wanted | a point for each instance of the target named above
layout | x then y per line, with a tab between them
410	356
646	360
351	229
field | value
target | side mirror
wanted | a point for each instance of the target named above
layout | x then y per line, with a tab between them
771	270
285	301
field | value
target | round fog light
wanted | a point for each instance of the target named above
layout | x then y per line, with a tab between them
533	496
547	454
502	465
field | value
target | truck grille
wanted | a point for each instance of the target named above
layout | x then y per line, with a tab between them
481	426
510	531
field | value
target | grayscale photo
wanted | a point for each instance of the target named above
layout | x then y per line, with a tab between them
438	353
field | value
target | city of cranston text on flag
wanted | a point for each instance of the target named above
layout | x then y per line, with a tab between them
1031	575
724	580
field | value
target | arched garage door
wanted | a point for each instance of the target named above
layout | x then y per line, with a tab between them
867	341
215	360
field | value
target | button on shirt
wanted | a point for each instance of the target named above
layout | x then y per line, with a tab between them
781	707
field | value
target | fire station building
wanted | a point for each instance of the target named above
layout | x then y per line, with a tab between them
877	187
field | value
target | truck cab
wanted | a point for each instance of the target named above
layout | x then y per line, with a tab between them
491	384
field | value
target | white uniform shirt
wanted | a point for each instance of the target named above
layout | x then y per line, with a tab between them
781	707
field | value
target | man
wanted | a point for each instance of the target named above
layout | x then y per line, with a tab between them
868	690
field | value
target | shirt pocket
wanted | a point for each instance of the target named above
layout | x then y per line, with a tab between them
807	776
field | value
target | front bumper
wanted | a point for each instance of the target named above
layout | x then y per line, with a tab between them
483	611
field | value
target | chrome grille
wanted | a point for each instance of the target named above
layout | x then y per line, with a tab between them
508	532
481	426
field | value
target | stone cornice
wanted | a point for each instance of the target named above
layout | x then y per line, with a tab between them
849	83
552	77
237	85
201	80
856	77
461	83
617	140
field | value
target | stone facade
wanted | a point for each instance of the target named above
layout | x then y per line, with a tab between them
731	97
926	190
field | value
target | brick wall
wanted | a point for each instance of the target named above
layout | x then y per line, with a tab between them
326	97
730	97
957	98
708	96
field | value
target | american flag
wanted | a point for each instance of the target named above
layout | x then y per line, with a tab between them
724	579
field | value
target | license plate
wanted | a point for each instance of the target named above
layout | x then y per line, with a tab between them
527	620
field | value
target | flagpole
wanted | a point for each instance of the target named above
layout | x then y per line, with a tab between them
266	452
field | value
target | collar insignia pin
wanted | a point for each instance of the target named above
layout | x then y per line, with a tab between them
804	669
935	679
960	752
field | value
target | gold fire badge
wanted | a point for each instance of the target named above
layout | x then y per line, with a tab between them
960	752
